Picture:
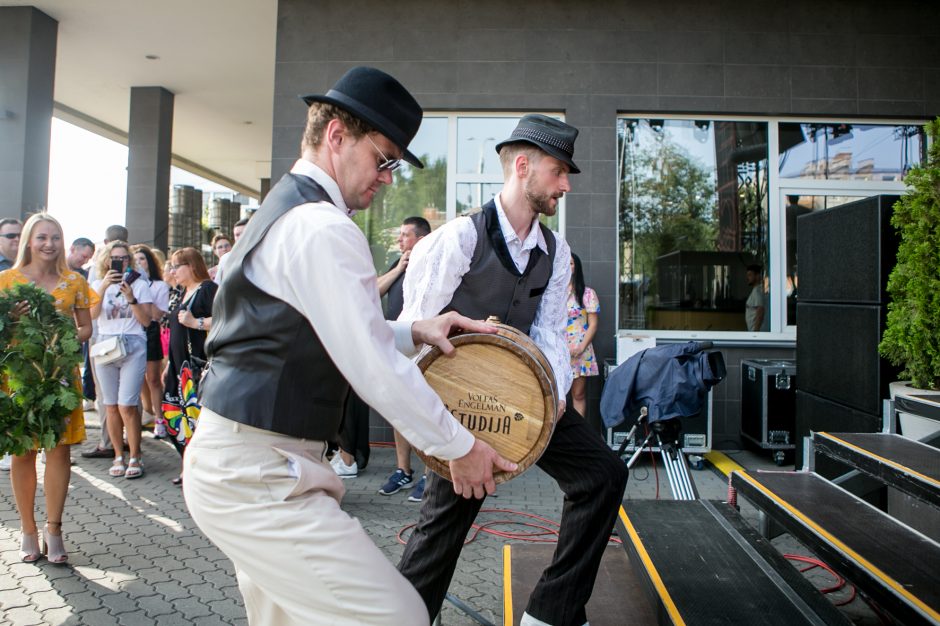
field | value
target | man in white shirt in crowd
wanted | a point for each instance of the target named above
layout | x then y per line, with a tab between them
502	261
296	323
754	306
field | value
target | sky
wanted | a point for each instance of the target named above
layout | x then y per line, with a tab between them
88	181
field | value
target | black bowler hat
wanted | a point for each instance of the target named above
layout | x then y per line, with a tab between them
379	100
553	136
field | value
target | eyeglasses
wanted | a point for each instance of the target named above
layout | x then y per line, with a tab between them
177	266
387	164
10	235
121	258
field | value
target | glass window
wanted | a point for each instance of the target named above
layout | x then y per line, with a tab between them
421	192
461	173
845	151
476	144
693	215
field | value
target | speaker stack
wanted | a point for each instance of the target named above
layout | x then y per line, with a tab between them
845	256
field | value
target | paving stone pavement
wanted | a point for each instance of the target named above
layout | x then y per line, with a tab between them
136	557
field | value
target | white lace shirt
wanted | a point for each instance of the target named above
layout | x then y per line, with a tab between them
439	261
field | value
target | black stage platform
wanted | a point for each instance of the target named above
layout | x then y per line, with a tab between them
906	465
704	565
896	566
618	597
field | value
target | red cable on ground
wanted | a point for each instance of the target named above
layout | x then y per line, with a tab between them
814	563
486	528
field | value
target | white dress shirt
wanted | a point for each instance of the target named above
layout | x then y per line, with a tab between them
317	260
439	261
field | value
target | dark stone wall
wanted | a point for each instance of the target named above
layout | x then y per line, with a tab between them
27	74
594	59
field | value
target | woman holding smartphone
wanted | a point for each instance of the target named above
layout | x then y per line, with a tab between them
124	313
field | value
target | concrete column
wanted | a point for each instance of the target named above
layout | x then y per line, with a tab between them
149	141
27	78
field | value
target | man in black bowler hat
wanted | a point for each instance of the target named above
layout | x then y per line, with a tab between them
297	322
502	261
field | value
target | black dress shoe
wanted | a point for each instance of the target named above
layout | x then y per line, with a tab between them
98	453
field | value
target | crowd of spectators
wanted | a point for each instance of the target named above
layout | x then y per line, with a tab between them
155	311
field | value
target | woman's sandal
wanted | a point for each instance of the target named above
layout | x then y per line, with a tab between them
135	468
53	547
29	547
117	468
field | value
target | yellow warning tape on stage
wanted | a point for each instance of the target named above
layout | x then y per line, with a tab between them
507	585
723	462
841	546
660	587
884	460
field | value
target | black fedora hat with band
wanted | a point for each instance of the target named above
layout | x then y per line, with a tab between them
553	136
379	100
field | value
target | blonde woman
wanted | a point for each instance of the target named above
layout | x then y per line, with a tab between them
41	261
124	313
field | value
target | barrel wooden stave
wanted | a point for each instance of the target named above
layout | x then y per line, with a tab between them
513	409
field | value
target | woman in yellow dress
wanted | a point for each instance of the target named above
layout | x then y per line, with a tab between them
41	261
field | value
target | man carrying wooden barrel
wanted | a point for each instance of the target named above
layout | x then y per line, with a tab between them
296	323
487	257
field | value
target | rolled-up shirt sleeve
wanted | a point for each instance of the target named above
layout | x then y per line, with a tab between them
318	261
551	318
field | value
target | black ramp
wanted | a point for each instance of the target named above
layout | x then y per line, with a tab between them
908	465
714	574
897	566
618	597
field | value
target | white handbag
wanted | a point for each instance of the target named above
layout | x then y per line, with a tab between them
108	351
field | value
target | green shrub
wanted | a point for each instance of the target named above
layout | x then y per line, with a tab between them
912	336
40	352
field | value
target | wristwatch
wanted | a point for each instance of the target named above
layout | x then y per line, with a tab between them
202	323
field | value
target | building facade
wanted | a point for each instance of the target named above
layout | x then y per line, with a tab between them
706	129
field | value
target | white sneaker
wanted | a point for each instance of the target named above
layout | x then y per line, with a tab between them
342	470
88	405
5	462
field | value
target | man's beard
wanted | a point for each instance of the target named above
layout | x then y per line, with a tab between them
540	202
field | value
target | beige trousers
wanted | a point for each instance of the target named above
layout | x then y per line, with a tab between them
271	503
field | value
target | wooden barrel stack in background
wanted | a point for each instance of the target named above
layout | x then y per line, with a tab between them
501	388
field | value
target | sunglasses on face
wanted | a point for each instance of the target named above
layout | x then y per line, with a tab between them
387	164
177	266
121	258
10	235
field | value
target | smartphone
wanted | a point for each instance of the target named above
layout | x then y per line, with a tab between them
117	266
131	276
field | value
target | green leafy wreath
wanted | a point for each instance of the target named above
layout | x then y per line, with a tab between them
40	353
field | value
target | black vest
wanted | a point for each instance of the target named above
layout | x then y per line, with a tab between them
395	296
493	284
267	367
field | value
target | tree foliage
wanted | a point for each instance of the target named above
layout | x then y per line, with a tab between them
411	191
40	354
668	203
912	335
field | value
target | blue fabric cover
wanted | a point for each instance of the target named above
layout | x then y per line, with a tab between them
670	381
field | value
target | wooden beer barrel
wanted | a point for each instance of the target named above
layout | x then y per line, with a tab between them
501	388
